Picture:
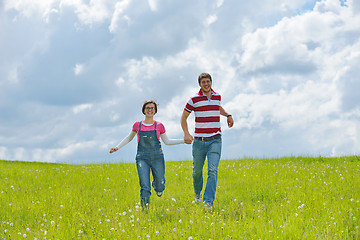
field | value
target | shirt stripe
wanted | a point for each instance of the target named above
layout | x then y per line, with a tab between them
207	114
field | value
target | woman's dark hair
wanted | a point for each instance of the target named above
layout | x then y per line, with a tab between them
204	75
148	102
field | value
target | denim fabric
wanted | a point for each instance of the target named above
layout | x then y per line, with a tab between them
150	157
201	150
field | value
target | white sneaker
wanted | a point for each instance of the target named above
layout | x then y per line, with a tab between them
159	194
208	206
197	198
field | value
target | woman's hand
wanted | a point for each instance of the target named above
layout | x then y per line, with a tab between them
114	149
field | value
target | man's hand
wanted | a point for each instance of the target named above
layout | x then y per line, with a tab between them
114	149
188	138
230	121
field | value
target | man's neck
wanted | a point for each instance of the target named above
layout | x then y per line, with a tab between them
209	93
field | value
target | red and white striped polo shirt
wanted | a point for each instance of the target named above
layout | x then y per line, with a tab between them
207	113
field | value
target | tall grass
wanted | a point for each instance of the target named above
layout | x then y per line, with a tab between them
287	198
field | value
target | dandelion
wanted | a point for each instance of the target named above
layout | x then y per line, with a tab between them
124	213
180	221
173	199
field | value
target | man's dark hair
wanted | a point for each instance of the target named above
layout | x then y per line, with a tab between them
204	75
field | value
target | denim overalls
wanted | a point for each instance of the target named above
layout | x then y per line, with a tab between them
150	156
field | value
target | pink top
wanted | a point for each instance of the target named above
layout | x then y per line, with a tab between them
160	129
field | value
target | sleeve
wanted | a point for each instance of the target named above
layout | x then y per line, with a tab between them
168	141
161	128
126	140
135	127
189	106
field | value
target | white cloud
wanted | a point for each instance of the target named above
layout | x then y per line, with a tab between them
117	15
97	11
219	3
120	81
78	69
81	108
84	68
29	8
210	20
153	4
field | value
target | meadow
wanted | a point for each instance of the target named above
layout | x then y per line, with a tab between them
285	198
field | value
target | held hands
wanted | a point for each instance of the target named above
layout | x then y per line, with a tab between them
188	138
114	149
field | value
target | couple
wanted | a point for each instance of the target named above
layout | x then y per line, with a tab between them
207	143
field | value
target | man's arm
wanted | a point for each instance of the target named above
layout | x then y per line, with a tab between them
187	136
230	120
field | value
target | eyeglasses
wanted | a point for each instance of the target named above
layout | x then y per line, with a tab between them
150	108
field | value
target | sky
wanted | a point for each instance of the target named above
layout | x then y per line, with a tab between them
75	73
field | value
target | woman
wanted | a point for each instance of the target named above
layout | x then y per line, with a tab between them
149	154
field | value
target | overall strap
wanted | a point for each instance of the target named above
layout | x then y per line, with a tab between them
140	126
155	125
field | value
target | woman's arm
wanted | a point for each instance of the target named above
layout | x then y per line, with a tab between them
125	141
168	141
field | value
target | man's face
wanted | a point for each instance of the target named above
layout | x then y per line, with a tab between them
205	84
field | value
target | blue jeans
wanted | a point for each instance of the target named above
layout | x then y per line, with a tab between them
201	150
157	166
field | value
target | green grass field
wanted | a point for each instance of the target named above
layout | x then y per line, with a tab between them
286	198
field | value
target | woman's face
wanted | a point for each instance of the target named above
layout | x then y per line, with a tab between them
150	110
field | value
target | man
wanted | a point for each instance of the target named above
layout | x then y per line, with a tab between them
207	142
